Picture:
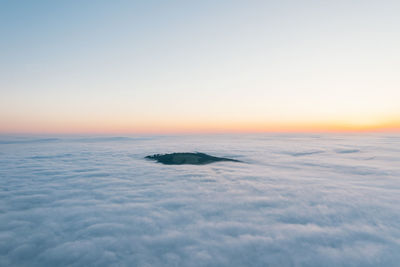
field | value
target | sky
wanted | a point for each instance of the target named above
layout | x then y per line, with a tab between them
199	66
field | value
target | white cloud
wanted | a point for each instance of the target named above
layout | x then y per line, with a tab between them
297	201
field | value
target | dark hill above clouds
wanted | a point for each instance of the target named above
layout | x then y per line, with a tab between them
187	158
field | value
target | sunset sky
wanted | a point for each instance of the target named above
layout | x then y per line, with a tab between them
199	66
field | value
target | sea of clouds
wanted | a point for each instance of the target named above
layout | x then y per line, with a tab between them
296	200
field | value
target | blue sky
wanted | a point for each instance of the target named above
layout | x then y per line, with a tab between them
160	66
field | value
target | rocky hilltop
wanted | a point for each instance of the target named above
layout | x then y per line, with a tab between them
187	158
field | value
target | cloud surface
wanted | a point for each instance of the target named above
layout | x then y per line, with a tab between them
298	200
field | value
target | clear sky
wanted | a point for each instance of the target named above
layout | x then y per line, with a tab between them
199	66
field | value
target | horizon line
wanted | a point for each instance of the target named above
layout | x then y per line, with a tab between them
118	133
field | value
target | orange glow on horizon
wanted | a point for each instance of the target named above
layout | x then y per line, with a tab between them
119	127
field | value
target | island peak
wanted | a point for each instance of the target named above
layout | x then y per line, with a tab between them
187	158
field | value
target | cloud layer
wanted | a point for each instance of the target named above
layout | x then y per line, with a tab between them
298	200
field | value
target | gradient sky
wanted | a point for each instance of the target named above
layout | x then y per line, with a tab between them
199	66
